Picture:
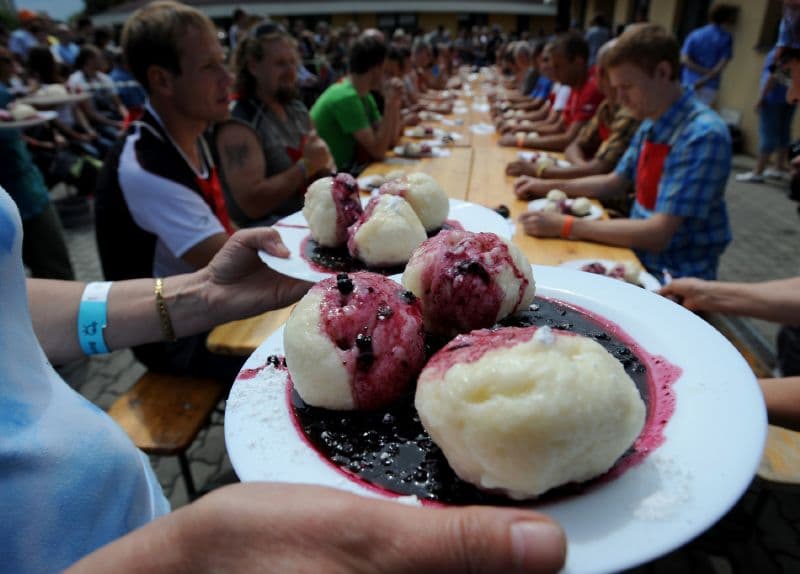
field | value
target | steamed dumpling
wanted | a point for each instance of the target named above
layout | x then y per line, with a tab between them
564	409
386	233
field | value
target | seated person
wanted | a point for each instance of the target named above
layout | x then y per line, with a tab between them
104	110
776	301
346	116
537	104
394	68
160	210
569	57
270	154
531	80
599	145
423	59
678	163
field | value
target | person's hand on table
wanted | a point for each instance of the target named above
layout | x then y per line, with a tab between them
694	294
527	188
521	167
290	528
411	119
237	284
542	224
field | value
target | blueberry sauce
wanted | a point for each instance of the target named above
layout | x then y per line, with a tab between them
338	259
389	450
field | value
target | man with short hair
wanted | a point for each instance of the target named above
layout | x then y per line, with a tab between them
569	58
160	209
706	51
346	116
678	163
270	153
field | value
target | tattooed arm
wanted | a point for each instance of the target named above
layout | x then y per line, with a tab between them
243	166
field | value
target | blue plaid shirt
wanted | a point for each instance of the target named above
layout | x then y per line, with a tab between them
692	186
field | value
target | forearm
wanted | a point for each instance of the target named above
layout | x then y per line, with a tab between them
132	315
585	169
777	301
593	186
551	142
268	194
575	155
693	66
631	233
782	397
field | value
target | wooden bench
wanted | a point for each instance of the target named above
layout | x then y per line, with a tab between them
163	415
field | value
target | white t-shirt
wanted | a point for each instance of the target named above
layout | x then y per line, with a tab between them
78	82
562	92
71	480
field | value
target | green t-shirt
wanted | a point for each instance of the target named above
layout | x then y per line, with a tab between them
339	112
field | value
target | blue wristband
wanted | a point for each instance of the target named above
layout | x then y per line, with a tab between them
92	316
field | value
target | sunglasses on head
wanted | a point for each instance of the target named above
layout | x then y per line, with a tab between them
266	28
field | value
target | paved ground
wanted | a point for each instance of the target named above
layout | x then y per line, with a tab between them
760	534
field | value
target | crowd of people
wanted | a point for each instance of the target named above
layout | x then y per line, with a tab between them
186	142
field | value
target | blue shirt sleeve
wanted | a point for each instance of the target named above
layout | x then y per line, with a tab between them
727	52
695	169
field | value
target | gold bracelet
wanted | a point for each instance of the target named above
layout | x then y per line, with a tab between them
163	313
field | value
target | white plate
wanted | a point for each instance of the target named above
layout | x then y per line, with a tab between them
538	205
647	280
438	133
49	101
435	152
39	118
370	182
528	156
713	441
294	229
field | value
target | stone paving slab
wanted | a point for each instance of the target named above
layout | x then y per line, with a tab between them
760	534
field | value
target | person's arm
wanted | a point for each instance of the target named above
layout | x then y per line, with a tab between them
94	116
652	234
777	301
297	528
236	284
604	186
201	253
575	154
556	141
377	141
712	73
687	61
782	397
243	167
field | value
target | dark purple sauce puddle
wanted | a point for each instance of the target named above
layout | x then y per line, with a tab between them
390	451
338	259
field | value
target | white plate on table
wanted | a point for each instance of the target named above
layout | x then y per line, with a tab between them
713	441
529	155
538	205
294	230
46	101
438	133
435	152
39	118
646	280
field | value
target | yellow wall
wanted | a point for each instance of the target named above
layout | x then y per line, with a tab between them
428	21
622	12
364	20
508	22
664	12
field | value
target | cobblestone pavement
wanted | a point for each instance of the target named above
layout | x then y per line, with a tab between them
760	534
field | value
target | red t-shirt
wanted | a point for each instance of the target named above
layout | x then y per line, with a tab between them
583	101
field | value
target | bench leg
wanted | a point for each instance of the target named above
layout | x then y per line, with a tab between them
187	476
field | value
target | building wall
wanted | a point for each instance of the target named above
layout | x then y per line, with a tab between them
508	22
664	12
364	20
428	21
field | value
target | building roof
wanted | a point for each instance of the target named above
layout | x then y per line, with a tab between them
224	9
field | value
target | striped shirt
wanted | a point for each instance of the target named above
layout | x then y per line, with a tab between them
692	186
